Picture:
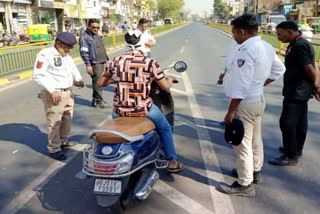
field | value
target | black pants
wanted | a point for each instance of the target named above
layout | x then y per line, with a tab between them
294	126
97	91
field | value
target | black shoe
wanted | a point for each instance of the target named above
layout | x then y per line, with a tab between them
281	149
93	103
58	155
101	104
237	189
283	161
257	177
69	144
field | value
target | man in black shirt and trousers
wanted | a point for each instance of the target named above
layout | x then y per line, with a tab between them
300	82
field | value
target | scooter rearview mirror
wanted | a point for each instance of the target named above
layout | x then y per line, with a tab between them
180	66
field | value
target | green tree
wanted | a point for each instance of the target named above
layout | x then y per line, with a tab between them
221	9
170	8
150	4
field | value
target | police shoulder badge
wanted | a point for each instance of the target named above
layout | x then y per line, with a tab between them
57	61
241	62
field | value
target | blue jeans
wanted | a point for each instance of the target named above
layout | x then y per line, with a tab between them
163	128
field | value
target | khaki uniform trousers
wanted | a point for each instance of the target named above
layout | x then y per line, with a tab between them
59	118
250	151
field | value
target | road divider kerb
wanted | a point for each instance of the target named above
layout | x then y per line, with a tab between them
27	74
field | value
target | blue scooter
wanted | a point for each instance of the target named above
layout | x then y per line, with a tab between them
124	157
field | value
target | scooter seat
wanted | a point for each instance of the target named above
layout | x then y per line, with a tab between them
130	126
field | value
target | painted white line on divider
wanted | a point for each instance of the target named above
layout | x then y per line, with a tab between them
222	203
191	206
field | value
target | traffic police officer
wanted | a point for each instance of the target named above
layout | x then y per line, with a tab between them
253	65
56	73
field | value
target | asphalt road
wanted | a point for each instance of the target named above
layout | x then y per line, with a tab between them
31	182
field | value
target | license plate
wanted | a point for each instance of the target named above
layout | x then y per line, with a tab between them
107	186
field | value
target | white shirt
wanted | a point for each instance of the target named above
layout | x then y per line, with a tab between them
254	61
147	37
230	54
53	71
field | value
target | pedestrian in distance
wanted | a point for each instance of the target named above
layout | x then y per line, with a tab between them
254	65
301	80
125	26
56	73
132	94
94	56
146	37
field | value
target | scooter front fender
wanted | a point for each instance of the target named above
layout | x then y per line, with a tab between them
108	200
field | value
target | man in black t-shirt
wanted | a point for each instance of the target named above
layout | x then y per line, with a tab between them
300	81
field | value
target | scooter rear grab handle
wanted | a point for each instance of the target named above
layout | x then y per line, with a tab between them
127	137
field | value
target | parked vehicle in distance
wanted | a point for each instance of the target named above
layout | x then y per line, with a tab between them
269	22
39	32
168	21
313	22
158	23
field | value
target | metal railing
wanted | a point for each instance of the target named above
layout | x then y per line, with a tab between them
272	39
22	57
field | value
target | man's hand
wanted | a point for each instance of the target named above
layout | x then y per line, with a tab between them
89	70
79	84
229	117
220	79
56	97
171	79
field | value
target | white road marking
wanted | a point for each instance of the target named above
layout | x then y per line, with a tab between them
180	199
27	193
182	50
222	203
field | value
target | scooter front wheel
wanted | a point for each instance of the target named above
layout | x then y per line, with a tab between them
115	209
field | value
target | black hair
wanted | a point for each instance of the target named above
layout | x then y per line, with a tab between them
143	21
131	39
93	21
288	25
246	22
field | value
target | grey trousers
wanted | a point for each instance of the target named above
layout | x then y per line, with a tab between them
97	91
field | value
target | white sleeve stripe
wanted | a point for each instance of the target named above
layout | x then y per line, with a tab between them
85	49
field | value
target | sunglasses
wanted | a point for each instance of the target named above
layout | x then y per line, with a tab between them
95	27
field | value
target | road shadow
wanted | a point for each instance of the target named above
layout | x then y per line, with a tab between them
63	192
26	134
29	135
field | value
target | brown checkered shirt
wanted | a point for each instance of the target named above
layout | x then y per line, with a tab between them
133	74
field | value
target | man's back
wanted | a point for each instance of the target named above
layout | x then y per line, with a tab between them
133	75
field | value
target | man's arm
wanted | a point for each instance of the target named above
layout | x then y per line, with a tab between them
151	41
85	54
233	106
277	70
104	80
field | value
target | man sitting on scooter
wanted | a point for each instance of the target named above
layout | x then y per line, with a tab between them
133	74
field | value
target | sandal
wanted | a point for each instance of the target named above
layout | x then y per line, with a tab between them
178	166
